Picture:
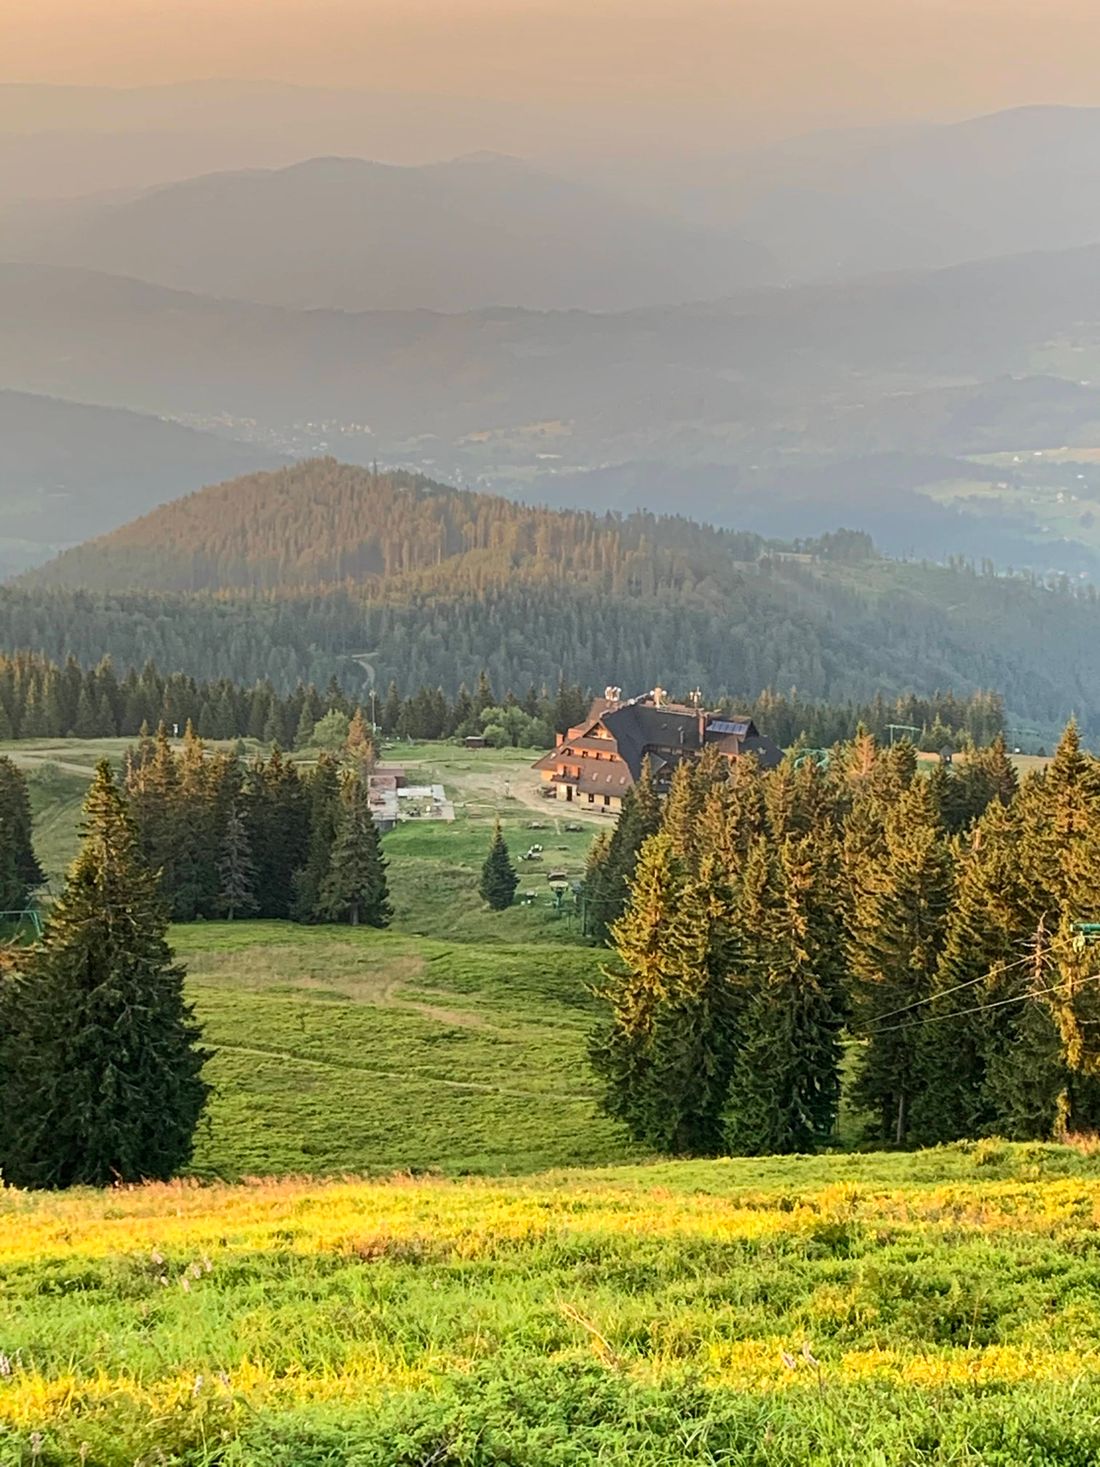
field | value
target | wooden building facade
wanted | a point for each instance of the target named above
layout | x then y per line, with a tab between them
595	763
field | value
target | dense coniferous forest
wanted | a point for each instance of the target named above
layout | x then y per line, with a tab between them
939	927
234	839
294	575
40	699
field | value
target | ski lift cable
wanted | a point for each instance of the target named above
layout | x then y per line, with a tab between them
946	992
980	1008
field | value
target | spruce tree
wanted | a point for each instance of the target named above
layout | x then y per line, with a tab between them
355	889
359	745
733	815
153	791
989	776
303	734
982	964
639	818
324	820
102	1065
86	723
682	809
498	883
897	933
786	1087
236	869
1072	999
277	811
666	1052
197	833
1060	835
595	875
952	797
15	836
13	889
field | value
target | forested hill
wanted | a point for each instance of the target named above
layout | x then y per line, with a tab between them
291	575
322	524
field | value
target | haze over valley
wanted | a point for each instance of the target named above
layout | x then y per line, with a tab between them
894	326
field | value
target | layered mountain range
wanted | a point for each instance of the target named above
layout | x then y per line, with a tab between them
624	337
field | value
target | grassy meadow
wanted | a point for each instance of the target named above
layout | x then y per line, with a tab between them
341	1050
410	1241
942	1307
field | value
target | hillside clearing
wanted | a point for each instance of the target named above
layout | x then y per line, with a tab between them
349	1050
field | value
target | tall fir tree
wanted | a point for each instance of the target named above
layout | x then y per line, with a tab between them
303	734
152	788
102	1070
786	1086
324	821
682	809
897	932
198	837
16	844
13	889
359	745
355	889
278	819
236	869
666	1052
639	818
593	899
1060	834
970	1017
498	883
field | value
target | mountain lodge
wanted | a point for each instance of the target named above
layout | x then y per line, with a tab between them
595	763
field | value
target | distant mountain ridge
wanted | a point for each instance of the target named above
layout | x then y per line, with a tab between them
70	470
143	343
752	394
350	234
846	203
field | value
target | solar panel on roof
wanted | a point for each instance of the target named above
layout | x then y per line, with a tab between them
725	726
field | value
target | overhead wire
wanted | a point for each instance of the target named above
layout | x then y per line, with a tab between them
976	1009
946	992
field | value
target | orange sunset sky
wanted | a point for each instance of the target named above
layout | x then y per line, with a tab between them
777	63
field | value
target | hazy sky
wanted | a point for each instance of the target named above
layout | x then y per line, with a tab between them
770	65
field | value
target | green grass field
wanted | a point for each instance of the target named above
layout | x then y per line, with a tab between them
859	1311
352	1051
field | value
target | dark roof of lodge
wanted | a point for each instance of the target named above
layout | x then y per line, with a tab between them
638	727
768	752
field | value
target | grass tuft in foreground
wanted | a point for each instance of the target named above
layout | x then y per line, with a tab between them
935	1308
